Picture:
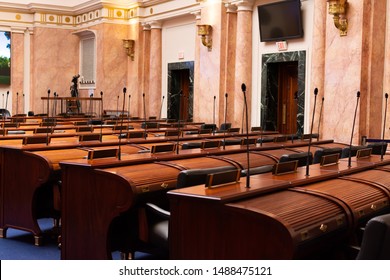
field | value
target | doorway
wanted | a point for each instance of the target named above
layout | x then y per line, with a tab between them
180	91
283	94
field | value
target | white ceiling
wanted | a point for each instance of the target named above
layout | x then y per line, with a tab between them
65	3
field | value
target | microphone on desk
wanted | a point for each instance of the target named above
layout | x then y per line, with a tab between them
128	114
145	123
178	122
23	104
121	126
243	88
214	115
47	125
319	120
311	132
224	131
17	103
6	101
384	127
101	116
353	127
162	103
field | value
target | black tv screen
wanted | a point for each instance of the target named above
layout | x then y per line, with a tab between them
280	21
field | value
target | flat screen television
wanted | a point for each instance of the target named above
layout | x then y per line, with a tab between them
280	21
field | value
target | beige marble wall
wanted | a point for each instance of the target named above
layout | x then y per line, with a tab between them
111	65
54	61
17	54
351	62
146	73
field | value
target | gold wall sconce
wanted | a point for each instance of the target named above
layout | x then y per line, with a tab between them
205	31
338	8
129	47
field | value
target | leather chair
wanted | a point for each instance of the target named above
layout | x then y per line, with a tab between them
257	170
300	157
376	239
377	147
191	145
158	218
354	149
225	127
149	125
208	126
325	152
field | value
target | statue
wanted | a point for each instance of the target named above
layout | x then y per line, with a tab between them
74	105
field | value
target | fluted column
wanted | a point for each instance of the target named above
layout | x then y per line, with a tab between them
154	93
243	60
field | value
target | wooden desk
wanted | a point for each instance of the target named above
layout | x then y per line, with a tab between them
279	217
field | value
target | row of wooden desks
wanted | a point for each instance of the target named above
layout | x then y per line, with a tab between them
287	216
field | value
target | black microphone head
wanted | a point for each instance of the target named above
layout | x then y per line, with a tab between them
243	87
315	91
48	91
124	90
226	95
323	98
7	92
386	95
215	97
163	96
358	94
17	93
143	95
101	93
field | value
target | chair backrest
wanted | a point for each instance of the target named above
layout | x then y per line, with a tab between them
193	177
324	152
378	147
234	130
43	130
191	145
257	170
225	126
354	149
376	239
300	157
172	133
256	128
36	140
205	131
90	137
84	128
209	126
149	125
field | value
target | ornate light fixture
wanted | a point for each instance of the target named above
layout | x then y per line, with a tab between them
338	8
205	31
129	47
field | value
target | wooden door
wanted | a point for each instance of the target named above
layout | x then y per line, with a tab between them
287	97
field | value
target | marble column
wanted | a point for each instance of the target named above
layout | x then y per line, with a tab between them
17	72
197	80
243	60
154	94
318	65
230	65
145	72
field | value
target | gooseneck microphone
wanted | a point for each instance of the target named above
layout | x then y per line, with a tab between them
146	125
353	127
48	115
6	101
162	103
121	126
383	132
214	114
224	130
102	116
17	103
243	88
128	115
178	122
319	120
311	132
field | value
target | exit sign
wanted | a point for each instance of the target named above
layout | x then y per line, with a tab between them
282	45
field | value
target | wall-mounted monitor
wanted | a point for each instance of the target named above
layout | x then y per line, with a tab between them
280	21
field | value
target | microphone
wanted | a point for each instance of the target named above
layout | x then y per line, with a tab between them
178	123
243	88
47	130
311	132
17	103
319	121
117	104
128	114
353	127
214	114
101	116
6	101
23	104
121	126
143	100
224	131
383	132
162	102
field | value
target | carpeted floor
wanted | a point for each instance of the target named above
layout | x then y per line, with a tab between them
19	245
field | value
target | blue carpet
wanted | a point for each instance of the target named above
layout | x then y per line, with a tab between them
19	245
